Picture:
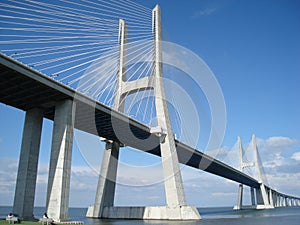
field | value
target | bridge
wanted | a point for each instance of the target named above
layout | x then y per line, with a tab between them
41	95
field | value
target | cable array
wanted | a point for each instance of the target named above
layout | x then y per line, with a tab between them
76	42
73	41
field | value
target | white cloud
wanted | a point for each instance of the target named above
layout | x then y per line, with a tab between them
280	141
224	194
8	174
204	12
296	156
276	161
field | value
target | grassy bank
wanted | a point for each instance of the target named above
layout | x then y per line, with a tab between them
4	222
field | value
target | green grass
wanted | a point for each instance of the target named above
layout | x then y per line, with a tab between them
3	222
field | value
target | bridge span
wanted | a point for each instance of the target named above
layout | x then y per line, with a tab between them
70	40
25	88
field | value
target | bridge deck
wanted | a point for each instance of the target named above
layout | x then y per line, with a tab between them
25	88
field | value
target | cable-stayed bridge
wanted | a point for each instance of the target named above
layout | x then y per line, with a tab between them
89	65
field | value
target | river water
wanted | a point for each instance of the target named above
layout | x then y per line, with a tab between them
210	216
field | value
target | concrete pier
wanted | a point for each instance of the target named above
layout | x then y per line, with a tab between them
151	212
175	197
27	171
105	194
240	197
252	196
60	161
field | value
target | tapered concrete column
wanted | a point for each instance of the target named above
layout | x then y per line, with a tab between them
280	201
60	161
271	200
259	199
240	197
175	197
285	201
105	193
173	181
28	163
252	196
107	180
276	199
263	191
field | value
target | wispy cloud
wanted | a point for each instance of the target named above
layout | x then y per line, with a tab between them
204	12
280	141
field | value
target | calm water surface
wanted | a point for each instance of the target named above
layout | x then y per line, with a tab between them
210	216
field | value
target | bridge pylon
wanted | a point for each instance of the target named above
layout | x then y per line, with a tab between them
261	198
176	207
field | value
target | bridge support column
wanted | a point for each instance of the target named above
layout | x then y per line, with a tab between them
28	164
252	196
262	195
279	201
271	198
105	193
107	180
276	200
240	198
176	208
60	161
259	198
286	202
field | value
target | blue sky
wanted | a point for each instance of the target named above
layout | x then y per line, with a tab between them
253	49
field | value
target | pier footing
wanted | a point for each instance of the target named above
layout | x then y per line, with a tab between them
149	213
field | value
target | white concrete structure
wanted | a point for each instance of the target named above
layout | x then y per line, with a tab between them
27	171
241	189
264	202
105	193
60	161
264	196
176	208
